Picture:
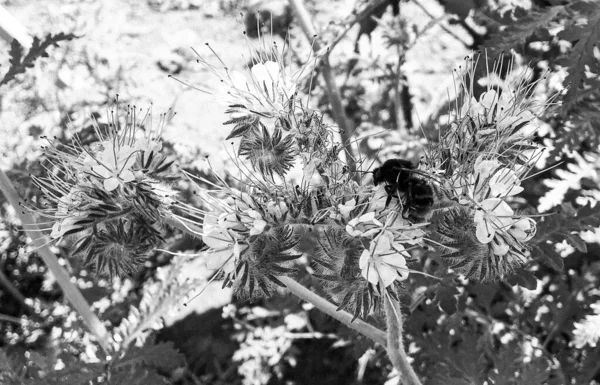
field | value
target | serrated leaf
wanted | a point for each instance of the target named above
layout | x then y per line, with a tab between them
520	28
20	62
585	36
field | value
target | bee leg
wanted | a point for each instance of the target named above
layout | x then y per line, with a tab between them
390	192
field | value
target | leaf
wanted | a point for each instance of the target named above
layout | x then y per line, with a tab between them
534	373
521	26
446	294
5	362
20	62
549	256
581	58
162	356
524	278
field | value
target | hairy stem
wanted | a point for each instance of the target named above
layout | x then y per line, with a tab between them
330	309
40	243
395	346
333	92
302	292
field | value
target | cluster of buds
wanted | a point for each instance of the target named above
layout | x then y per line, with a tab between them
109	195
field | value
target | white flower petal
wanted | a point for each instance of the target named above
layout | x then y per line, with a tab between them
524	229
387	274
484	230
217	238
499	246
489	99
111	183
127	176
395	260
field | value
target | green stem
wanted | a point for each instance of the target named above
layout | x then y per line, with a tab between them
395	346
330	309
40	242
302	292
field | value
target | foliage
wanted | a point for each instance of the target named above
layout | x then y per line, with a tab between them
138	366
20	61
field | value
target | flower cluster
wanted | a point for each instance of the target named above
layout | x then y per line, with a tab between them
483	157
247	236
110	193
386	233
259	105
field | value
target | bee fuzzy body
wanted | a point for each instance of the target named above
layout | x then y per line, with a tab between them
399	176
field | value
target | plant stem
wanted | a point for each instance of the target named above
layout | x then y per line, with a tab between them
333	93
11	28
40	243
302	292
330	309
395	346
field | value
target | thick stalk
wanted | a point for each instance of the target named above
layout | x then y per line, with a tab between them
39	242
333	92
302	292
395	345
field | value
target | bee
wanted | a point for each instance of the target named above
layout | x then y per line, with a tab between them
401	176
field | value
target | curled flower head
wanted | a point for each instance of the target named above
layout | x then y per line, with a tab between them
109	192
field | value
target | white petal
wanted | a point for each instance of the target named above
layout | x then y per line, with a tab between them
395	260
216	259
368	217
127	176
101	170
217	238
381	245
489	99
364	259
387	274
524	229
111	183
485	231
499	246
504	182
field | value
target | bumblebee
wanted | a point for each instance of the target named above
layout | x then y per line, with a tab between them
401	176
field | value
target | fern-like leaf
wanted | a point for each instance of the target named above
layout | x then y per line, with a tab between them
160	296
20	61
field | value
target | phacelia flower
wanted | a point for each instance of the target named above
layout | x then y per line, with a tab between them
113	163
382	263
